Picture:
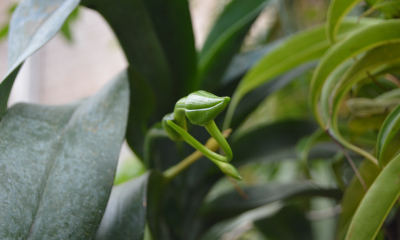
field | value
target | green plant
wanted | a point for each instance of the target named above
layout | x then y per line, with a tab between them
304	142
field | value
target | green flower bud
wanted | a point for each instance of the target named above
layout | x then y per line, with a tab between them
202	107
228	169
172	134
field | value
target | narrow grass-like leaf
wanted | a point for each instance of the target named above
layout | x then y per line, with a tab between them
292	52
366	38
368	64
388	131
338	9
353	195
45	18
376	204
225	39
57	165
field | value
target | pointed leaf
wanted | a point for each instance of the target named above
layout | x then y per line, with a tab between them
33	24
57	165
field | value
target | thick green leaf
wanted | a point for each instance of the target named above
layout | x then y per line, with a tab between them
173	26
45	18
388	131
376	204
125	215
57	165
338	9
225	39
292	52
133	27
353	195
366	38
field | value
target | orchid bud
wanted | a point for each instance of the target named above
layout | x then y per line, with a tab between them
202	107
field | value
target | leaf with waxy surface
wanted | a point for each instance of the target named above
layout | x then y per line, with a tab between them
376	204
225	39
33	24
60	161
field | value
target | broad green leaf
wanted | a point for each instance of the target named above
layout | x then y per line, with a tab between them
360	41
296	50
173	26
353	195
225	39
57	165
45	18
388	131
132	25
232	204
376	204
338	9
125	215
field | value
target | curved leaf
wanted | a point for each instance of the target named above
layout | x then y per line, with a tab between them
366	38
33	24
376	203
125	215
353	195
368	64
338	9
225	39
388	131
60	161
292	52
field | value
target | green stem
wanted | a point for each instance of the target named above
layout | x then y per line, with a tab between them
185	163
196	144
216	134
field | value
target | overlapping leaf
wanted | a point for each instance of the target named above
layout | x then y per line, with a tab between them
57	165
387	132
